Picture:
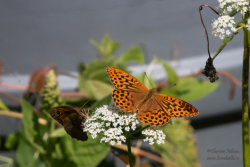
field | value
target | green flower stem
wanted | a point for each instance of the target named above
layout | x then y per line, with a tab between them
245	105
140	130
130	156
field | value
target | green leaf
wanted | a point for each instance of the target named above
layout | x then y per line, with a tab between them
171	74
27	156
3	106
89	153
95	81
180	145
29	120
30	124
97	89
107	46
223	44
96	46
85	154
134	54
12	140
60	132
190	89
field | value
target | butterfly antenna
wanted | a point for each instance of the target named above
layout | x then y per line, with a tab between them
82	107
148	80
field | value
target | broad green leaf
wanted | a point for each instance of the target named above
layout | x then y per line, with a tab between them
29	121
89	153
107	46
3	106
30	124
85	154
60	132
97	70
95	81
190	89
97	89
223	44
134	54
171	74
180	145
27	156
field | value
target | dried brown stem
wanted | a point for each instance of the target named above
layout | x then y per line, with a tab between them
10	97
225	74
139	152
202	22
24	88
13	86
20	115
73	94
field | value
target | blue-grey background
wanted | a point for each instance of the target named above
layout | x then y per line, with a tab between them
36	33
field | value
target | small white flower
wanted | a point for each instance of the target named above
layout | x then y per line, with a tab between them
223	26
154	136
127	128
228	6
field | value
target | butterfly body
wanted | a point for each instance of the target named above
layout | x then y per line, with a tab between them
131	95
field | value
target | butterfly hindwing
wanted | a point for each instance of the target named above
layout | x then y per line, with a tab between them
127	100
151	113
175	107
71	119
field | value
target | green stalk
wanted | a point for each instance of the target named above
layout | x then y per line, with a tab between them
245	105
130	156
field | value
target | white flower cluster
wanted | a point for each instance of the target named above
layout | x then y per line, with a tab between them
154	136
223	26
112	123
228	6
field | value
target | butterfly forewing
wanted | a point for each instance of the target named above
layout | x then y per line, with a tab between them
125	81
128	89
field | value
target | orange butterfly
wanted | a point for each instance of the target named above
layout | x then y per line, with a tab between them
155	109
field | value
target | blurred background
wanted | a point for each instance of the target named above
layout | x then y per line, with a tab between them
34	34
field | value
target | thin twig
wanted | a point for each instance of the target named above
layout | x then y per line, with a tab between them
202	22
